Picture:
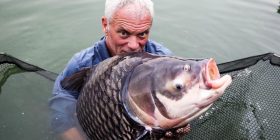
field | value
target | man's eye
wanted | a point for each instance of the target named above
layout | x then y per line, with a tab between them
143	35
123	34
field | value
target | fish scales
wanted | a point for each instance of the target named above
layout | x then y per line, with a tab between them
140	95
109	100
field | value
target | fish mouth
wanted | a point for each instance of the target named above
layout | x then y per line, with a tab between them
211	72
214	83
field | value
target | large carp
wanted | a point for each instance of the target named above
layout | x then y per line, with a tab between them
141	96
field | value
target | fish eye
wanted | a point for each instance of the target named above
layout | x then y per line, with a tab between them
179	86
187	67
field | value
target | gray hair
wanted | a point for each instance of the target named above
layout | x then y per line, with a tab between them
111	6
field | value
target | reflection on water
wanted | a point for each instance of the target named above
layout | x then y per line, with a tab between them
47	33
23	105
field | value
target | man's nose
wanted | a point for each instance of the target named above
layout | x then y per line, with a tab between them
133	43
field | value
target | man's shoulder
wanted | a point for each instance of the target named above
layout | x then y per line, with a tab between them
84	55
88	56
157	48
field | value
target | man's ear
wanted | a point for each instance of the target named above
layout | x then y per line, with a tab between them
104	24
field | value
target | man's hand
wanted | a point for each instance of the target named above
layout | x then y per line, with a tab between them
72	134
177	133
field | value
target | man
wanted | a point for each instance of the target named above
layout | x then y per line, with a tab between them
126	25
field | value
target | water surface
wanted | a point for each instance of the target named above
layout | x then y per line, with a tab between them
47	33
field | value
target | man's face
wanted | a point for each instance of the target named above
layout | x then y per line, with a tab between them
127	30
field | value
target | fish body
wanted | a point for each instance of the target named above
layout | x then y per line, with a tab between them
141	96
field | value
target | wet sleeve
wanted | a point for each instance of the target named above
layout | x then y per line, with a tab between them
164	51
62	104
156	48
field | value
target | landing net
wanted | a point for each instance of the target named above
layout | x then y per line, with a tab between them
249	109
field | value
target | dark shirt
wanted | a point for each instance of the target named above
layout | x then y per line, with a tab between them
63	102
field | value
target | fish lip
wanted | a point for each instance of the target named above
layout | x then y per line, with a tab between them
211	72
213	82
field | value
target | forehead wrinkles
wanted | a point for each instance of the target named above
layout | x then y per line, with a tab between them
130	25
132	17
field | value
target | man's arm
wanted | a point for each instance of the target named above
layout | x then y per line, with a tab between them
63	106
72	134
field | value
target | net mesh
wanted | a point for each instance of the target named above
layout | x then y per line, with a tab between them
7	69
248	110
10	65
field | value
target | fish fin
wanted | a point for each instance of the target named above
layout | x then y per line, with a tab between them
76	81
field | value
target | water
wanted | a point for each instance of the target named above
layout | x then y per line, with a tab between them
47	33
